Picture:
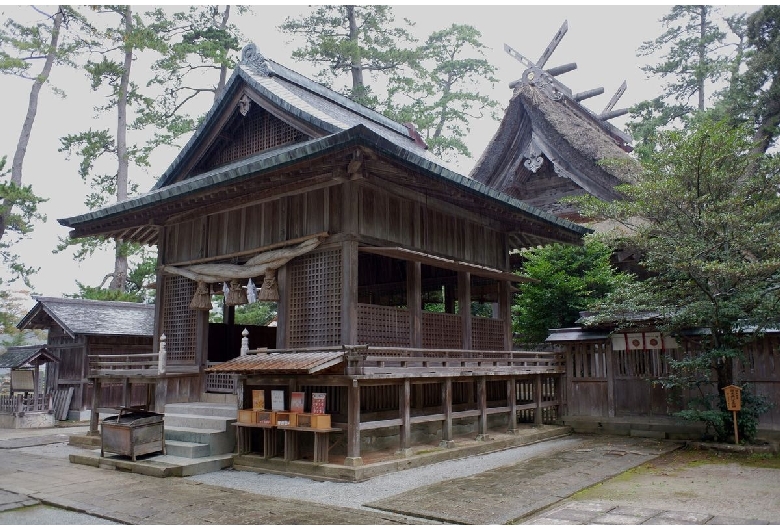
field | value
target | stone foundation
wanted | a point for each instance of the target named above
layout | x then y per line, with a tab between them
27	420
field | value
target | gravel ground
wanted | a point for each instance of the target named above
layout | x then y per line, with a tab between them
354	495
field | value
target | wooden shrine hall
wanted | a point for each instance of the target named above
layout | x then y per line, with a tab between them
390	272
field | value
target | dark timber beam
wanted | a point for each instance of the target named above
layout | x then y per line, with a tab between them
464	303
414	302
353	426
482	434
446	403
404	405
511	397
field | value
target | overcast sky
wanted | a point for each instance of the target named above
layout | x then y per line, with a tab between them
602	40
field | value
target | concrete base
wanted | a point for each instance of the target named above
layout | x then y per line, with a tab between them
84	440
484	438
404	453
157	466
353	469
448	444
658	427
27	420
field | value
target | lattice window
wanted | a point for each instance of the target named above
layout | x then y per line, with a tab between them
315	299
252	134
589	360
441	330
382	326
640	363
179	321
487	333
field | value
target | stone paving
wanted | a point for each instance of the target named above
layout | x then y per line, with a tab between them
534	490
507	493
571	513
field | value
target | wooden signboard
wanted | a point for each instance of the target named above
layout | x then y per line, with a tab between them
22	381
277	399
318	403
734	403
297	400
733	397
258	399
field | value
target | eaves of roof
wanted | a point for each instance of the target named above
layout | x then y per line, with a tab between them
358	135
266	87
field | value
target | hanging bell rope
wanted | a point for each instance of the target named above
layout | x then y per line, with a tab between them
256	266
202	298
264	264
269	292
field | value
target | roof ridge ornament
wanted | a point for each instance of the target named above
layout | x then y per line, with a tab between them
254	59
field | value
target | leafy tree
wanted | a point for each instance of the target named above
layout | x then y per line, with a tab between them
695	59
355	40
21	46
570	279
756	96
202	41
704	218
18	210
114	71
439	98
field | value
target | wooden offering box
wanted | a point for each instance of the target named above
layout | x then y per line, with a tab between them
314	421
266	417
286	418
247	416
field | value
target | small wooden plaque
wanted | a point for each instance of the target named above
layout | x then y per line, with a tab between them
733	397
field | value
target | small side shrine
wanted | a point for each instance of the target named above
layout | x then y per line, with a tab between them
78	329
391	276
26	406
550	146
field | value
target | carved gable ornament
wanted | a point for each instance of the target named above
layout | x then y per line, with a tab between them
251	57
243	104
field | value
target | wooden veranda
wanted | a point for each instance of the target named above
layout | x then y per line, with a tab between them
370	388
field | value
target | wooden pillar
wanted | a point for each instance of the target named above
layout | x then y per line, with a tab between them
505	311
482	399
569	377
353	426
93	414
414	302
36	375
446	405
404	409
450	295
538	400
240	389
610	362
511	397
160	394
126	392
282	308
349	293
464	303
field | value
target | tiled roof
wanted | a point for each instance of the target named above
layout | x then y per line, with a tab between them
18	356
281	363
91	317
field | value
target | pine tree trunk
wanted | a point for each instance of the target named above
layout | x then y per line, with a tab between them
357	68
223	69
32	110
702	54
118	283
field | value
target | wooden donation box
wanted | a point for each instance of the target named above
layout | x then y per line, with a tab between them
132	433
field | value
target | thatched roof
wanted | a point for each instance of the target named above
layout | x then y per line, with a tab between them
91	317
547	148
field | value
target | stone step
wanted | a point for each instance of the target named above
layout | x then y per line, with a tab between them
203	409
219	441
158	466
186	449
221	423
229	399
